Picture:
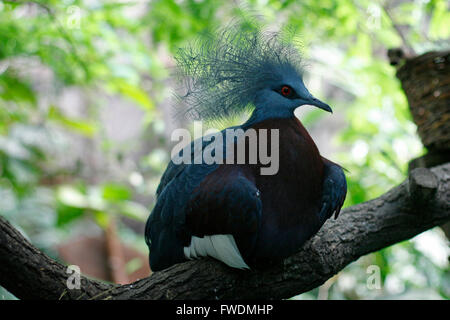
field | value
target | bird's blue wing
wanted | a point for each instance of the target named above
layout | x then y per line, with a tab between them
165	231
198	200
173	169
226	202
334	190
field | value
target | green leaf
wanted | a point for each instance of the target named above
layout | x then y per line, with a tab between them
102	219
86	128
133	92
440	21
67	214
115	192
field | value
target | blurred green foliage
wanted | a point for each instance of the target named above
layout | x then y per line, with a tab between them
119	49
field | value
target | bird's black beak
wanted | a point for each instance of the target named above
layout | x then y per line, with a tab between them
322	105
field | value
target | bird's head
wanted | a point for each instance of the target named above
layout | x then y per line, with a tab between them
237	70
284	93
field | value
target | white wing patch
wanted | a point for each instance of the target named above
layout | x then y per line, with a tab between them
221	246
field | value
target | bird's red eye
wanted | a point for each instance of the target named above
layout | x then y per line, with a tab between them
286	91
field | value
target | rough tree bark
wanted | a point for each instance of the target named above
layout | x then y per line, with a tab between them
419	203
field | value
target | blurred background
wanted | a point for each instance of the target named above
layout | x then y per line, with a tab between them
86	116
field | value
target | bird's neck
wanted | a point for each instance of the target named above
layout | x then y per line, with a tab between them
262	114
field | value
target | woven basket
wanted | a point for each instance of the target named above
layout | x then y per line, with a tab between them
425	80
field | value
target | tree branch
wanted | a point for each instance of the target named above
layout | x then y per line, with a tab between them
418	204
